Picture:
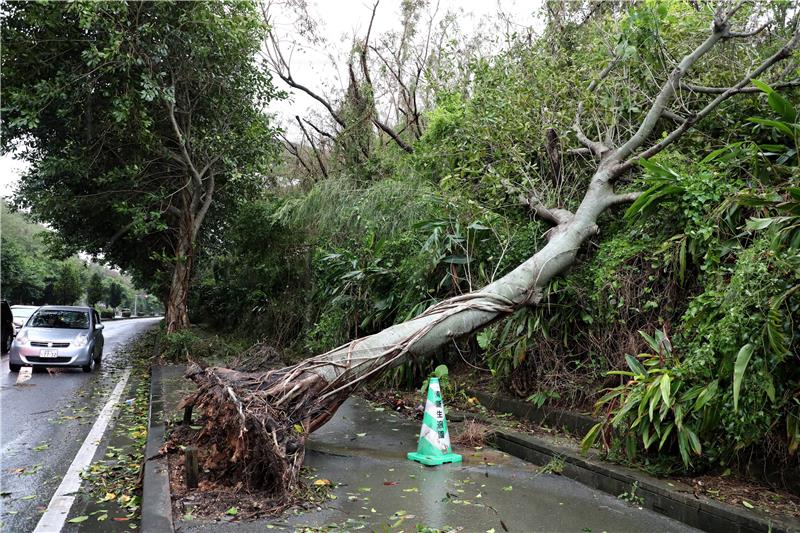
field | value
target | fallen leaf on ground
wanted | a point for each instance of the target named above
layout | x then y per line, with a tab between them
78	519
390	483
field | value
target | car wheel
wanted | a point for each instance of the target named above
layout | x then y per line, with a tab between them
88	368
14	368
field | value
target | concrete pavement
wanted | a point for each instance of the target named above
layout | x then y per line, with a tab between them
362	450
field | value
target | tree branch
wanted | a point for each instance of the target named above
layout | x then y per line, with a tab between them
780	55
597	148
201	214
750	89
739	35
292	149
196	177
365	70
313	147
554	215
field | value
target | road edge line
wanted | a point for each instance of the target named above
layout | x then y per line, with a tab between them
55	516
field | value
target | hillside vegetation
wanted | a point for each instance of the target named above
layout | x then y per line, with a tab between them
679	319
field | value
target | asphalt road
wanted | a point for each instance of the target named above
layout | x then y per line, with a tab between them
44	421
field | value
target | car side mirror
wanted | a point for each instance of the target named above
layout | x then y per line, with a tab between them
98	326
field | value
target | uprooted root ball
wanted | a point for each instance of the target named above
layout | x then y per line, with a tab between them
255	426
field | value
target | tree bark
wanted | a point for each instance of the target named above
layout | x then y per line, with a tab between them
176	309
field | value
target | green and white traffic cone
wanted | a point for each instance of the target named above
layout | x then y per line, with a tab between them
434	440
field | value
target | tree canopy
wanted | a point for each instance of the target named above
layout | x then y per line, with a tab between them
142	121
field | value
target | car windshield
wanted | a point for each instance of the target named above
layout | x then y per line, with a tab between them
60	319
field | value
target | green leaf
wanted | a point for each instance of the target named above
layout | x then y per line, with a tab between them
78	519
665	435
778	125
782	107
590	437
683	447
755	224
233	511
650	341
665	387
763	86
694	441
747	504
634	364
739	367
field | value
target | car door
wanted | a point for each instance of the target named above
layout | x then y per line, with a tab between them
99	340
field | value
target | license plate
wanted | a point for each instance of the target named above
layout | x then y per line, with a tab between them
48	353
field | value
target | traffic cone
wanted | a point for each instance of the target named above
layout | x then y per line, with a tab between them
434	440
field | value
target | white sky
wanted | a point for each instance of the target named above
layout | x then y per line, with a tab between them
339	21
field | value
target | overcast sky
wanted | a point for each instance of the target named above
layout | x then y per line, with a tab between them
339	21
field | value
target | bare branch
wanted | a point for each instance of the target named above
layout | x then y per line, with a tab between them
209	197
365	70
321	131
313	147
281	67
746	34
579	151
595	147
667	92
604	73
187	159
292	149
623	198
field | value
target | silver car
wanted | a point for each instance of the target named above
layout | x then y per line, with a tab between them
59	336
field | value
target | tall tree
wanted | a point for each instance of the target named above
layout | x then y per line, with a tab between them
114	295
68	285
94	290
142	121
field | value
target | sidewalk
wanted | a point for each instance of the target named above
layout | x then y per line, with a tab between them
362	451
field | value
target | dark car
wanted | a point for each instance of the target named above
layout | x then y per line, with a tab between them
59	336
6	326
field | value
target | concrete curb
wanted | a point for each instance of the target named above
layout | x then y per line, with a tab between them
702	513
156	500
575	423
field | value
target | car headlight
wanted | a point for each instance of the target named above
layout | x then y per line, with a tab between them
22	338
80	341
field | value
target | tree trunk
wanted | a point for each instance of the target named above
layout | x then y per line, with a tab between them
256	423
176	308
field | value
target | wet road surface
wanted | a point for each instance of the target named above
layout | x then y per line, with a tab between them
44	421
362	450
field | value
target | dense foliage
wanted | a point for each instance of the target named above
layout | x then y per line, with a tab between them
141	122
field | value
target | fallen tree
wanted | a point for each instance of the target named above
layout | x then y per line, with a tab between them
256	424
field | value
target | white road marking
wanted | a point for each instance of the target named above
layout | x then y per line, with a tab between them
24	375
57	511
